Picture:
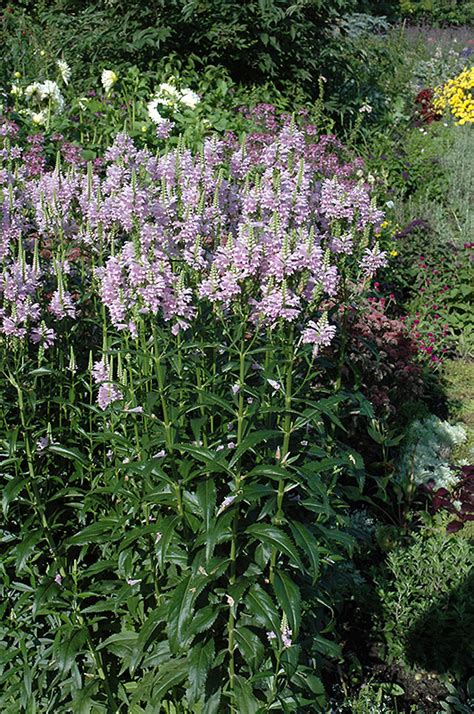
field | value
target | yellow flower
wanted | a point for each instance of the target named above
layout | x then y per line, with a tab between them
143	128
456	95
394	253
17	75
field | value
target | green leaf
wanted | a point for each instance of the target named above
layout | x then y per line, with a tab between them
206	495
11	491
244	698
68	453
309	682
250	441
40	371
66	648
289	598
327	647
249	644
153	622
278	539
212	705
180	608
168	675
376	435
167	531
203	619
44	594
308	544
24	549
212	460
272	471
261	605
99	532
121	643
200	660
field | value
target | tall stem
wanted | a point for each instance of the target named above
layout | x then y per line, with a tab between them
235	522
31	485
169	439
287	429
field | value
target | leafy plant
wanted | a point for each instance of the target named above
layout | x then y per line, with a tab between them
172	453
426	596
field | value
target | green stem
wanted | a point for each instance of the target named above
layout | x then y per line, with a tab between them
167	424
31	485
235	522
287	429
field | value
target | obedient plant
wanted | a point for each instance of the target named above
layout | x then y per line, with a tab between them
181	476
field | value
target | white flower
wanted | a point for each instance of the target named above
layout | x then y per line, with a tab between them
276	386
16	90
167	94
108	79
189	98
33	89
50	90
64	70
228	500
365	108
47	91
153	112
38	117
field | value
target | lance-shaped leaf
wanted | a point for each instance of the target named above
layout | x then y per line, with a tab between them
199	660
289	598
262	606
245	702
66	646
308	544
72	454
278	539
145	637
180	610
11	491
212	460
167	676
250	441
249	644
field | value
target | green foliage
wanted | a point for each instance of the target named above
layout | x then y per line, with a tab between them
126	584
452	12
427	598
287	44
271	39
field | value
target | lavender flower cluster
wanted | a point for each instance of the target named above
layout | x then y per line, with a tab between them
259	234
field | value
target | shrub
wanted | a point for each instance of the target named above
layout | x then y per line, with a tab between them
427	595
276	39
287	44
453	12
383	357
